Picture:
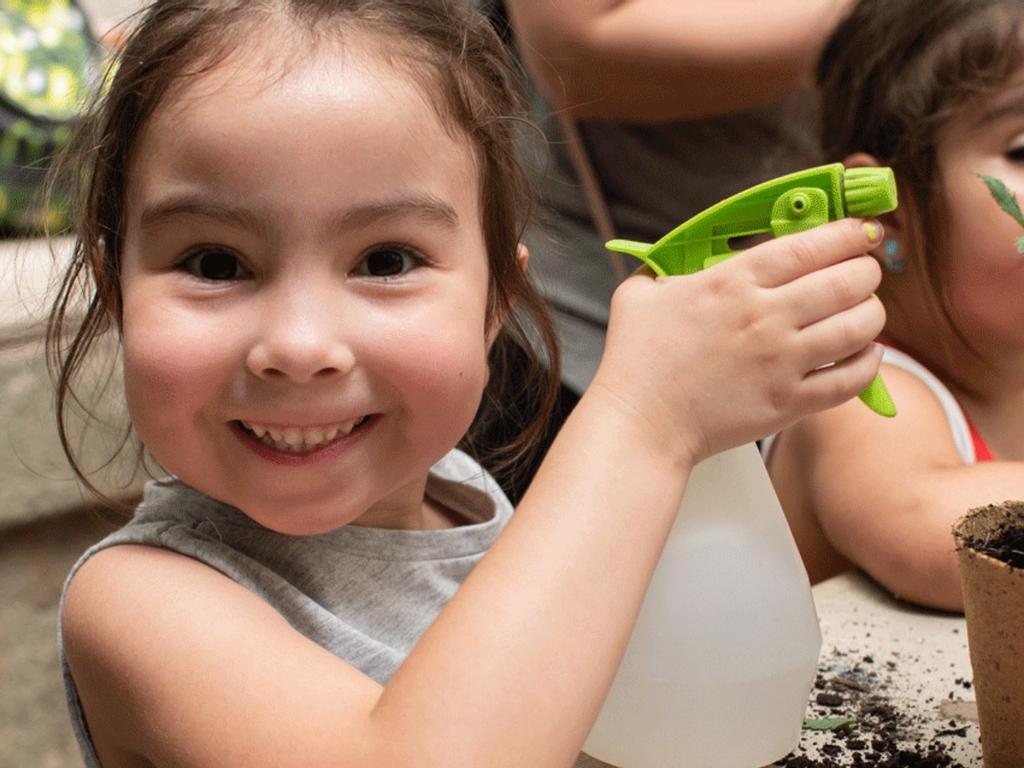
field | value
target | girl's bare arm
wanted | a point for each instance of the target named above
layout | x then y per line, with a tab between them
178	664
887	491
658	60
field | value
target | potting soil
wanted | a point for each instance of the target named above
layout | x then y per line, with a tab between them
881	736
1006	545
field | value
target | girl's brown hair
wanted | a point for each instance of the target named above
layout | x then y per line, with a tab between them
457	59
891	76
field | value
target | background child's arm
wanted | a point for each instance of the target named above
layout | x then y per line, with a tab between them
178	664
884	493
659	60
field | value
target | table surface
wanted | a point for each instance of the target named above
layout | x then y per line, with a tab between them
902	672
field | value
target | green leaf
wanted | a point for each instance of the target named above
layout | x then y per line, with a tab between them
1006	199
1020	244
828	723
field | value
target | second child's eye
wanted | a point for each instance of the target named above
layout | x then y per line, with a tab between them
1016	153
214	264
388	261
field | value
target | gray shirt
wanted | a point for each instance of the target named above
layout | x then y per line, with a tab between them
365	594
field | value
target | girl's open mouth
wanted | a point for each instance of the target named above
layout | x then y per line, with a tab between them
301	440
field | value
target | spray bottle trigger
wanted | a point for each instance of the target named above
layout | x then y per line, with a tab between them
639	250
877	398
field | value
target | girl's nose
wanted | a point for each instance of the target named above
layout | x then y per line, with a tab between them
300	340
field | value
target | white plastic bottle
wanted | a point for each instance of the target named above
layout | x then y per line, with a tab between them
723	656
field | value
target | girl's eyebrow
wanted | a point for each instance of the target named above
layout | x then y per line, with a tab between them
424	206
1005	109
163	210
1011	104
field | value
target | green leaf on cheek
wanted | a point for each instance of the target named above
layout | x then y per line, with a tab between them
1006	199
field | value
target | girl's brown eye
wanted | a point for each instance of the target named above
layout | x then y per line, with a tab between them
215	265
388	261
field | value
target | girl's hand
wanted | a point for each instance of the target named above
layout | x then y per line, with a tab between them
712	360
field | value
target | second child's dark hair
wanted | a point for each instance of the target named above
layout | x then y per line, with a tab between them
454	55
892	75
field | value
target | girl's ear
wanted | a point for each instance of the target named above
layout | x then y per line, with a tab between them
522	256
892	250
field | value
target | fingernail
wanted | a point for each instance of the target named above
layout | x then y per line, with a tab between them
873	231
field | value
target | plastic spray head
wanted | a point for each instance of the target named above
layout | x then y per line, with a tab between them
869	191
792	203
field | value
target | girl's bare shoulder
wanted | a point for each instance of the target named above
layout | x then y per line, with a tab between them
153	637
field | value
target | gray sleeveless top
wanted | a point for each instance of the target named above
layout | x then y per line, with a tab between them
343	589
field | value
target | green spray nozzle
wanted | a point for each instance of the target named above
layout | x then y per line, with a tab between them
792	203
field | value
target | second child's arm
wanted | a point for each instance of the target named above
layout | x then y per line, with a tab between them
658	60
182	667
885	493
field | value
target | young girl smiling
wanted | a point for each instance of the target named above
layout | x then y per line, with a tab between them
302	218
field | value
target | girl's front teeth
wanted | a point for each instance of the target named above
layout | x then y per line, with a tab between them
301	440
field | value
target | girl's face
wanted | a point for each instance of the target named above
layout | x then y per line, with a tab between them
986	274
304	286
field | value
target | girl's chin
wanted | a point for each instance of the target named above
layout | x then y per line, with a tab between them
299	521
284	510
292	516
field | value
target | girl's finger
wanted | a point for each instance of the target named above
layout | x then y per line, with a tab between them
787	258
821	294
842	335
831	386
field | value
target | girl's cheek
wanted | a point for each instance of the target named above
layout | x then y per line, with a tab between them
440	359
456	335
167	356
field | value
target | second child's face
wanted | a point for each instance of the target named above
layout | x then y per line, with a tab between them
986	274
304	289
